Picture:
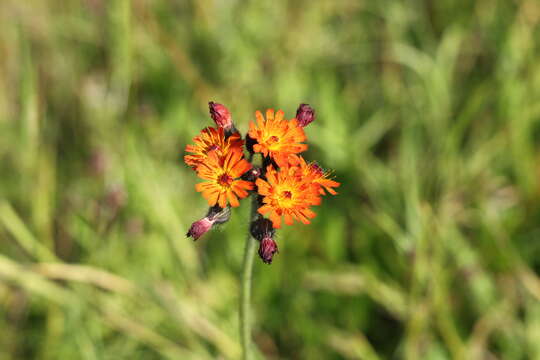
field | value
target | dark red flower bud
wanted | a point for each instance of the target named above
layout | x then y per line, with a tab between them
267	249
221	115
199	228
261	228
214	216
305	115
317	169
252	174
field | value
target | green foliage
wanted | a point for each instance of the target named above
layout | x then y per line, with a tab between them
429	112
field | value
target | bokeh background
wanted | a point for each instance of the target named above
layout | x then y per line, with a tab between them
428	111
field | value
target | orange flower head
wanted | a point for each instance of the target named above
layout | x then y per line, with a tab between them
211	139
318	176
286	193
277	137
222	173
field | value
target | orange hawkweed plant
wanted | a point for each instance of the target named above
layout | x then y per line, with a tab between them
283	186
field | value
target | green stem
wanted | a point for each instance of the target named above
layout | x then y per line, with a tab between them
245	297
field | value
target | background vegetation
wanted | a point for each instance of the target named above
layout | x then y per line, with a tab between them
429	112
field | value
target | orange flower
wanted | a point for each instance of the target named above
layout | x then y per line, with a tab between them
211	139
286	193
318	176
222	174
277	137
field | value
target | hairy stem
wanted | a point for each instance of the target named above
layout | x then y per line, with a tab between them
245	297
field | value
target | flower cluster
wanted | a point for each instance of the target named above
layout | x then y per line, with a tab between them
285	186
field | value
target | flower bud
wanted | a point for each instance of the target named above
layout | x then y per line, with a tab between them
261	228
317	169
267	249
199	228
305	115
252	174
222	117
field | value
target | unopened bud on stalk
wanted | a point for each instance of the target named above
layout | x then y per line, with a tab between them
252	174
262	230
267	249
305	115
222	117
199	228
215	216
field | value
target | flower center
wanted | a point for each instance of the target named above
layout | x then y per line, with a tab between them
225	180
214	147
273	139
285	199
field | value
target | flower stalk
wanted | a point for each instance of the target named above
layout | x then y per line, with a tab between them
246	281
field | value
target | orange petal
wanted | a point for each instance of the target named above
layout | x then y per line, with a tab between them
331	191
241	193
279	115
293	159
252	130
260	119
300	217
264	209
228	160
310	214
240	168
232	199
248	185
288	219
276	220
212	197
204	186
271	175
201	186
262	187
222	200
270	115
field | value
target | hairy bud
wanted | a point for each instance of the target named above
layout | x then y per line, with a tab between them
222	117
262	230
215	216
267	249
199	228
305	115
252	174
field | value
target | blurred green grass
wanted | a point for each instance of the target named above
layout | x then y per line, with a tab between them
429	112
